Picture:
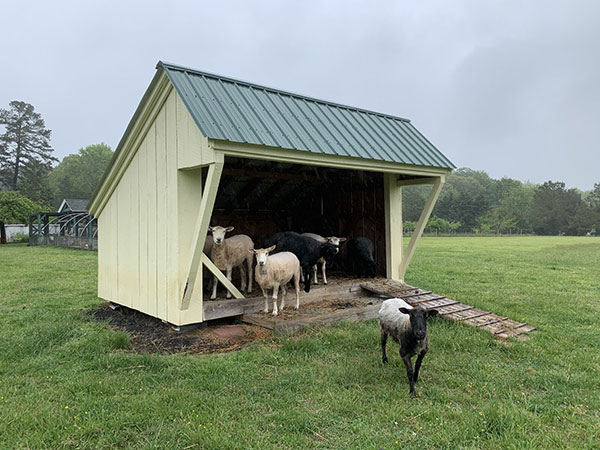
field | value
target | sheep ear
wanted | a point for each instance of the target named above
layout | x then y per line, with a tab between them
251	250
210	228
404	310
342	239
432	312
228	229
271	248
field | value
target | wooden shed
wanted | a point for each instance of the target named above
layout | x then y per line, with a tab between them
204	147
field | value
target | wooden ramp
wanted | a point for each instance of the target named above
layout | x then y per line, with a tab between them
501	327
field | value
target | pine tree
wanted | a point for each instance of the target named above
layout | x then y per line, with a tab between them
24	144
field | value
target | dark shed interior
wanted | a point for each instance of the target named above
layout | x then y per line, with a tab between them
260	198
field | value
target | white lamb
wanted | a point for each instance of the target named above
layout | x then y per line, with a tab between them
229	253
332	240
274	271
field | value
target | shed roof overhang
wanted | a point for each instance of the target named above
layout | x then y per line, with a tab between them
407	151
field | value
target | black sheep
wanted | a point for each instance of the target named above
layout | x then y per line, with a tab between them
307	250
361	257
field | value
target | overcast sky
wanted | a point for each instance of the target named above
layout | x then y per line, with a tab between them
509	87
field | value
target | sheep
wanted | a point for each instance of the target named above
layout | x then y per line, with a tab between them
407	326
307	250
332	240
229	253
275	271
361	257
208	245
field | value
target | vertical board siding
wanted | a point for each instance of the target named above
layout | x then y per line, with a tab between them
140	259
167	130
162	232
142	223
152	217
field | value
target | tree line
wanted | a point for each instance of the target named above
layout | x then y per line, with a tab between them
473	202
30	181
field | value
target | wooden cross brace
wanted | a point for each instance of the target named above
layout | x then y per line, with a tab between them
207	203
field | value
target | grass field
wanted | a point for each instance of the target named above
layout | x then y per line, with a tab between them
69	382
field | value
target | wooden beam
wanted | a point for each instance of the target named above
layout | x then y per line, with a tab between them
393	225
262	152
221	277
425	214
417	181
206	206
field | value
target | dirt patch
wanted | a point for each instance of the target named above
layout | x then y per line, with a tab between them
314	308
151	335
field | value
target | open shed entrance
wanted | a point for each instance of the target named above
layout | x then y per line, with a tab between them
260	198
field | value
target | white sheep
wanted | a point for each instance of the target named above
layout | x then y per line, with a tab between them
332	240
407	326
229	253
275	271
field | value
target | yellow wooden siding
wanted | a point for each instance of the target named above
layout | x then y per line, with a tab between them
145	233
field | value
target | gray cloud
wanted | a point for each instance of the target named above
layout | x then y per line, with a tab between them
508	87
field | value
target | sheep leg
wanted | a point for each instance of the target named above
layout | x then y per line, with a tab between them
250	274
323	270
229	270
384	336
283	295
264	291
275	290
409	374
418	365
297	288
315	274
307	278
301	275
243	277
214	288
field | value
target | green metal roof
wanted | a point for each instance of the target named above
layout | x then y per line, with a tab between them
237	111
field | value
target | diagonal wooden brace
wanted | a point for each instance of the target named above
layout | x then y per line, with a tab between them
221	277
425	214
206	206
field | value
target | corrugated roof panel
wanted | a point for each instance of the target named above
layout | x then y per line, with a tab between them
237	111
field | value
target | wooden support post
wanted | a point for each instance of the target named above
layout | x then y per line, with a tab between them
393	226
206	206
221	277
425	214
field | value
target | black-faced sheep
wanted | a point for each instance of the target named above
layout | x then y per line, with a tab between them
407	326
307	250
334	240
275	271
361	257
229	253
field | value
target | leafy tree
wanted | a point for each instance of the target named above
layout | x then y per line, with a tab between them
409	226
35	185
495	221
553	206
14	208
582	222
24	144
413	201
464	199
78	175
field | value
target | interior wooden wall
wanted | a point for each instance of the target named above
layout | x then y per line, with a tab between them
260	198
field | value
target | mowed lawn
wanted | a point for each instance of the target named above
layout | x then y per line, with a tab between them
69	382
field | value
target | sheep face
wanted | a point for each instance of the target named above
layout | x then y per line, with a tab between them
328	252
418	320
262	255
336	241
219	233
